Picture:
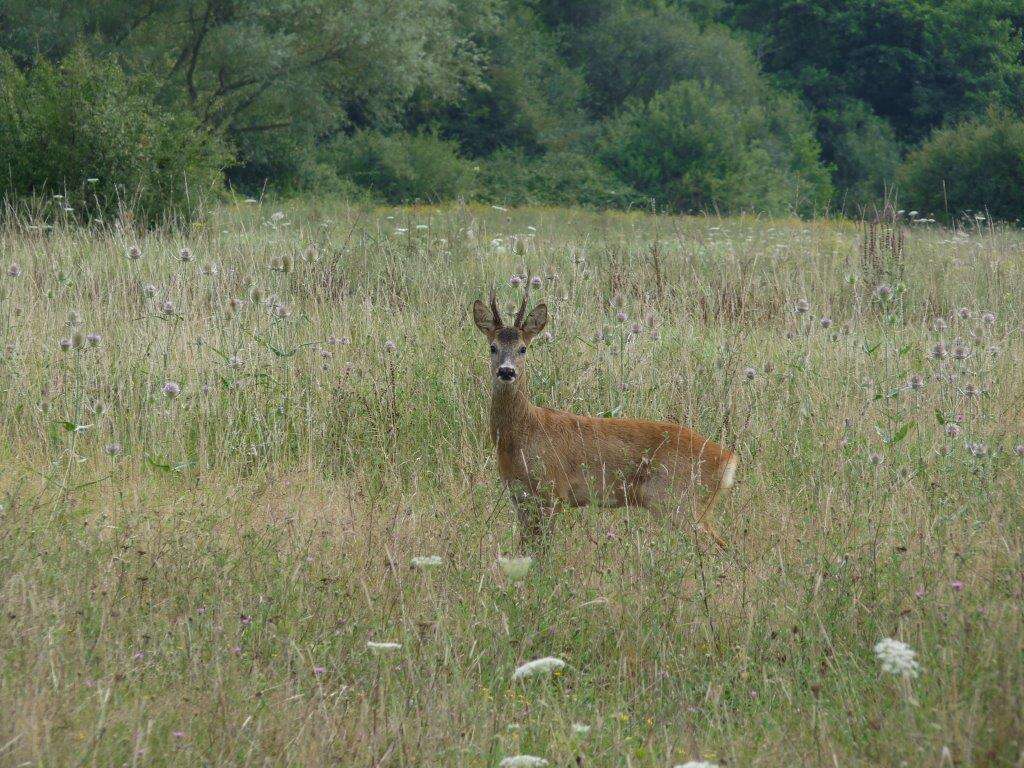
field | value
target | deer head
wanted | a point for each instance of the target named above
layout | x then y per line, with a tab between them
509	343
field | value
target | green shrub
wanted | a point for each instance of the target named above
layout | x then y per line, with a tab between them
975	166
694	148
83	129
558	178
864	152
402	167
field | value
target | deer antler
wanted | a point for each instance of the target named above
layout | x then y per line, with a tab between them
522	307
494	310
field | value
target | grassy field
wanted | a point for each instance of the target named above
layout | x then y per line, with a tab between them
211	506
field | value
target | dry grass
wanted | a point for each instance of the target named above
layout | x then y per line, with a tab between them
206	596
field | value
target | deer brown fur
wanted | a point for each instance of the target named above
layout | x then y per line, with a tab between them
550	458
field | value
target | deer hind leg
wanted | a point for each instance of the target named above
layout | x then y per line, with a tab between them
665	499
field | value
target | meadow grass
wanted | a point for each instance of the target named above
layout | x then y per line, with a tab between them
190	575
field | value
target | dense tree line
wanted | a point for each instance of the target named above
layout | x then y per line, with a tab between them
780	106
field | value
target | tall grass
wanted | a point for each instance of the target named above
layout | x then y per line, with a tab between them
193	579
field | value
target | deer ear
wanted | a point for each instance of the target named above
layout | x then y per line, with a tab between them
535	321
484	319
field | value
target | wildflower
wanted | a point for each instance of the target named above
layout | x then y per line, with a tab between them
749	373
281	311
883	291
939	325
964	313
185	255
171	389
149	290
621	316
390	346
953	430
876	458
697	764
167	307
547	336
618	302
522	761
256	295
957	585
543	666
426	561
970	390
916	382
825	322
802	306
536	282
920	592
1019	449
178	734
515	568
515	281
65	344
210	270
377	647
234	362
961	351
319	671
897	658
93	339
635	329
277	216
77	340
580	729
988	318
939	351
113	449
235	304
134	253
977	450
14	270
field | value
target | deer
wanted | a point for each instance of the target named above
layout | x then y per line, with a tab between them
549	459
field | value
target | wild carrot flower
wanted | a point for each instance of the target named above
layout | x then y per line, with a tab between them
426	561
382	647
543	666
897	658
697	764
515	568
580	729
523	761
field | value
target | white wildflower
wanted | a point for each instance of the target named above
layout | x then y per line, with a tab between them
543	666
698	764
383	646
897	657
523	761
580	729
515	568
426	561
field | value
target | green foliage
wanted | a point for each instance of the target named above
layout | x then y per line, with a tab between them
975	166
85	129
916	63
693	148
528	97
637	53
864	152
401	167
557	178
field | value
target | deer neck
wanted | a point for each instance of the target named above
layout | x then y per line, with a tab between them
511	413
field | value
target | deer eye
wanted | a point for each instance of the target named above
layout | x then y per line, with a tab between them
522	350
494	349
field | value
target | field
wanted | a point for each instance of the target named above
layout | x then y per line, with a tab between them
218	460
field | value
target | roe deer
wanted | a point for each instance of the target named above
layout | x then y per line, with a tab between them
549	458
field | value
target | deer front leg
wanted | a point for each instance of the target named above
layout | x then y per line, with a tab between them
534	514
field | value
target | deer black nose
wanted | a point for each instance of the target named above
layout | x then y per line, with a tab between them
506	373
